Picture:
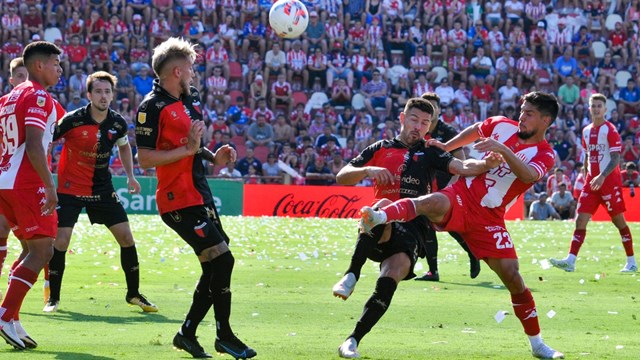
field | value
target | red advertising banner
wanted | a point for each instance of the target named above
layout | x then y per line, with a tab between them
345	201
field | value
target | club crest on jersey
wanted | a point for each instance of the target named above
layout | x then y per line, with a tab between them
199	229
111	133
142	117
41	101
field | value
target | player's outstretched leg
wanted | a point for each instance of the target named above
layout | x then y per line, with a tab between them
131	268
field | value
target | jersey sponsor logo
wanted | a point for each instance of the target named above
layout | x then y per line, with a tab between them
160	104
41	101
410	180
35	110
15	94
199	229
9	109
142	117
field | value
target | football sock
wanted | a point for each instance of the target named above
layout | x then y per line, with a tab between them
201	304
525	309
402	210
131	268
627	241
364	245
13	267
431	250
19	284
375	307
220	287
3	252
56	271
577	241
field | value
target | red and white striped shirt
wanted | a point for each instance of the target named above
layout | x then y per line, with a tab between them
538	37
316	61
334	30
433	6
280	89
458	63
228	4
297	60
159	26
420	61
359	62
11	22
517	38
560	38
536	12
374	34
209	4
357	34
527	67
454	8
118	28
268	114
457	36
438	38
216	85
217	57
598	143
421	88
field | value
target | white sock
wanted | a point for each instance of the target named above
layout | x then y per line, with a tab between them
535	340
631	260
571	258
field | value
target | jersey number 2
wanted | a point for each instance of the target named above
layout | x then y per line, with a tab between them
503	240
9	128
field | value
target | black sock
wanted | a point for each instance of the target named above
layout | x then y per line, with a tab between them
375	307
131	268
220	287
56	271
463	244
431	251
201	304
364	245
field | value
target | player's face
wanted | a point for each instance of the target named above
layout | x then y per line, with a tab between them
101	95
186	76
51	71
597	109
415	124
531	122
20	75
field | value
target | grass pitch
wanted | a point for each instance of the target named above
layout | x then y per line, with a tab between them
283	306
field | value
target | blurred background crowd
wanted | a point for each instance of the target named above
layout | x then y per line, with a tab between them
297	110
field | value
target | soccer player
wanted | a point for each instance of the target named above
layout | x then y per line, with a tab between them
443	132
400	167
474	207
169	128
84	182
602	186
27	122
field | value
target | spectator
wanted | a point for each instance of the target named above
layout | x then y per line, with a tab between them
315	35
76	102
560	39
253	35
263	110
356	35
317	65
420	64
260	134
376	94
95	28
317	173
228	34
339	66
563	203
361	66
334	30
630	177
257	91
483	97
618	43
249	161
457	36
496	42
539	40
229	171
77	82
217	56
582	42
142	84
445	92
554	180
162	10
217	87
481	67
629	98
138	32
297	64
140	8
458	65
283	132
32	24
341	93
607	74
417	36
630	151
275	62
569	94
565	66
509	95
271	170
541	210
11	25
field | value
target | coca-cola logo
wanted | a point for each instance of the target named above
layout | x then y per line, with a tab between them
332	206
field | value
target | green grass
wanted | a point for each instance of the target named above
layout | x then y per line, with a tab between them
282	303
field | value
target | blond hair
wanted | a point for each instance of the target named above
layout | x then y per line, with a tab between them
171	49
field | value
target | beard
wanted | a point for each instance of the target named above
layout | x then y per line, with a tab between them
99	106
185	87
523	135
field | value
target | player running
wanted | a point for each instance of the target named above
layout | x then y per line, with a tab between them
401	167
84	182
169	128
475	206
28	120
603	185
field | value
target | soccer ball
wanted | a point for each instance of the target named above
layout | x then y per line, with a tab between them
288	18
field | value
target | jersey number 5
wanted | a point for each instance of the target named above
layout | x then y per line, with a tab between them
9	130
503	240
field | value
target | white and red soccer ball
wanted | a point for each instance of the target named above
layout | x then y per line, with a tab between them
288	18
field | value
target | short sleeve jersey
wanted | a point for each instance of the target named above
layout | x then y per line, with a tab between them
443	133
84	162
499	187
599	142
163	122
28	104
413	168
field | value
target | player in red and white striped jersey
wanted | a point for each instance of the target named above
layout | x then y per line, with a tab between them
602	185
475	206
28	119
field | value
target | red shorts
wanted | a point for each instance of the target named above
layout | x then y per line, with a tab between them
22	209
483	229
610	198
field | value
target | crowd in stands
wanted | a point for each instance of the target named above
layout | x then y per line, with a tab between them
309	105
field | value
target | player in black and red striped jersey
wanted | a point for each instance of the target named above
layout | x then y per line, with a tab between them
84	182
401	167
169	129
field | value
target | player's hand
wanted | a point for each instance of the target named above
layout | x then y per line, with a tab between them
488	145
50	201
493	160
133	185
225	155
596	182
437	144
195	136
381	175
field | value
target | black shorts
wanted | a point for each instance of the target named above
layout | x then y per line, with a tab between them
406	237
199	226
102	209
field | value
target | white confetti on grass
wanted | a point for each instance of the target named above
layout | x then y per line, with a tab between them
544	264
500	316
551	314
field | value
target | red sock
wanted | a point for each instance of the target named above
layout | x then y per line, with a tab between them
401	210
577	241
525	309
627	242
3	252
13	267
19	285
